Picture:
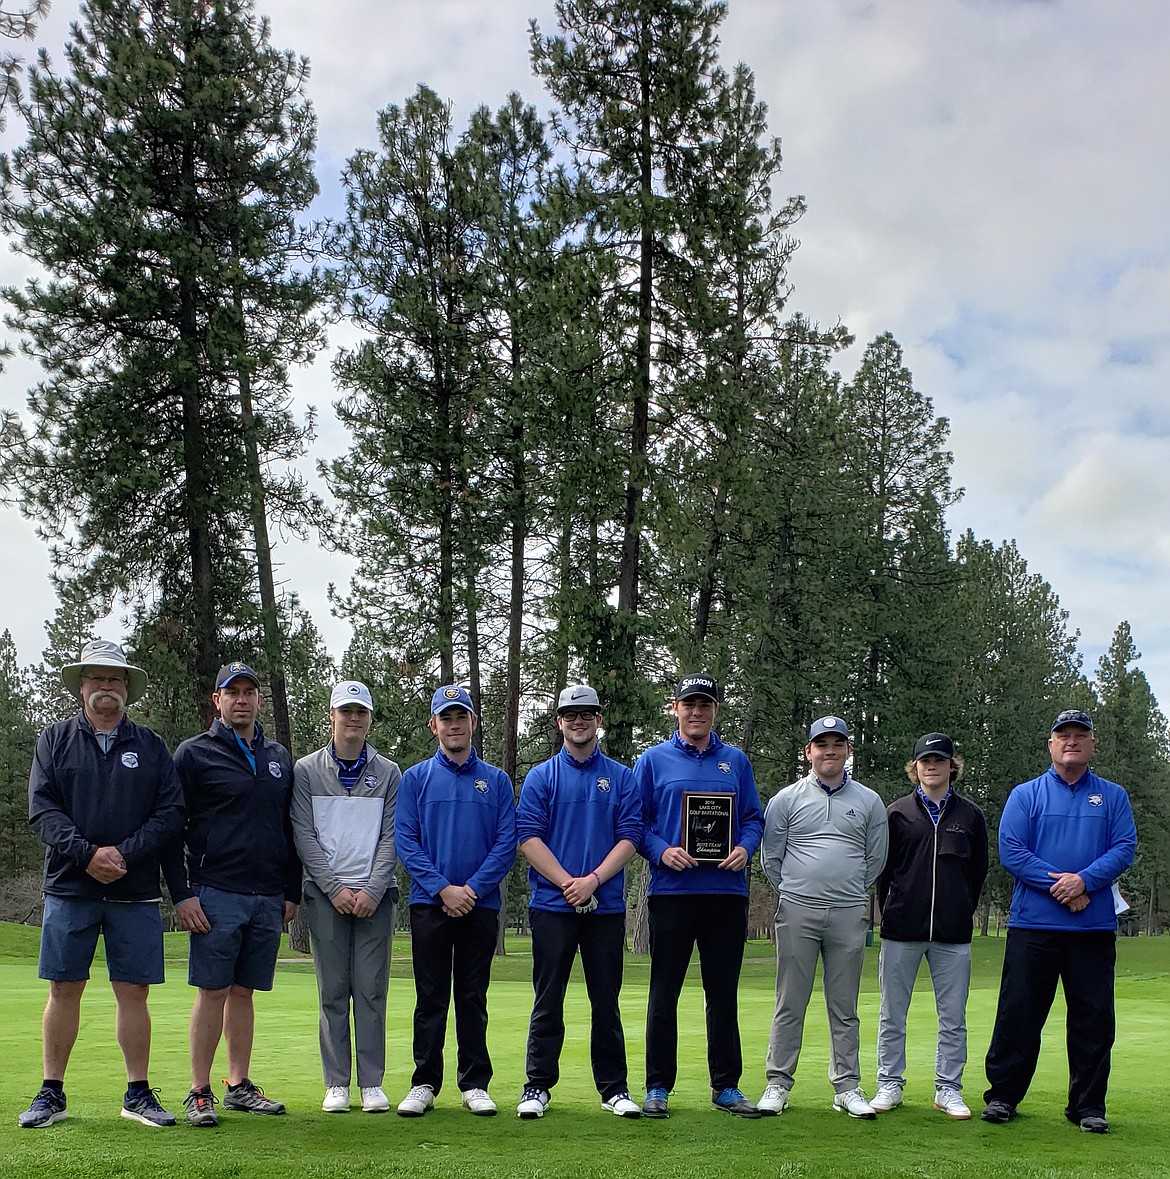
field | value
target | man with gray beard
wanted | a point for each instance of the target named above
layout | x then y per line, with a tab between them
105	799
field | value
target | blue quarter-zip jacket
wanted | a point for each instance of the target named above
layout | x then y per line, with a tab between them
239	832
455	824
1050	826
81	798
580	811
663	772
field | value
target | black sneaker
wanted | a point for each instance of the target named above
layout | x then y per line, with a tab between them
144	1107
48	1106
201	1105
250	1099
998	1112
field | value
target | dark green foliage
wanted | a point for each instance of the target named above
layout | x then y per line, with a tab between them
158	188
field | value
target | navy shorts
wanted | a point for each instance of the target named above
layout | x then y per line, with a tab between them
243	943
132	931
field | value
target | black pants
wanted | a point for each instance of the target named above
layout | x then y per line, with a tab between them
452	951
556	937
718	926
1034	960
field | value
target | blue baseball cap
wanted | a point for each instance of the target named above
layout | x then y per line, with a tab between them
234	671
1073	716
828	726
450	696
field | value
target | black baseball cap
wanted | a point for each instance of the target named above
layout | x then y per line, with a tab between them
938	744
697	683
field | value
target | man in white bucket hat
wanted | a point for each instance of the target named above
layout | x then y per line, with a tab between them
105	799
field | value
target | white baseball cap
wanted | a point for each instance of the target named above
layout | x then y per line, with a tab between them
351	692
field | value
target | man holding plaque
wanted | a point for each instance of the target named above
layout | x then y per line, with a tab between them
579	823
824	844
702	819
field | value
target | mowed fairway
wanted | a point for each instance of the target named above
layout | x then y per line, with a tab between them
576	1138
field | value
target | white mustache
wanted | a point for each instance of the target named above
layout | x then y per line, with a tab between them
95	697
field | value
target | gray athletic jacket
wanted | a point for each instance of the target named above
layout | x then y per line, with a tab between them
824	849
345	839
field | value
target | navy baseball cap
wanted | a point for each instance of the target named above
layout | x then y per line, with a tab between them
1073	716
697	683
234	671
937	744
828	726
450	696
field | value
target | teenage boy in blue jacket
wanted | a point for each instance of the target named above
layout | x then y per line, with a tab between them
579	822
455	832
1065	837
692	902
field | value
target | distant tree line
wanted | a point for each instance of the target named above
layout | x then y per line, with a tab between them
589	435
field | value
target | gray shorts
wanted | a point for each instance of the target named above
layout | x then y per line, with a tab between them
132	931
241	948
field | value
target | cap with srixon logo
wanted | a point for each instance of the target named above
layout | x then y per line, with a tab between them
450	696
934	745
697	683
576	698
828	726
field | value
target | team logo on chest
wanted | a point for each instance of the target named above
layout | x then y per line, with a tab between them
130	760
603	785
481	785
274	768
725	767
371	782
1096	800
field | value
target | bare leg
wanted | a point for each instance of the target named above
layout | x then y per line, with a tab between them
239	1029
59	1026
207	1019
132	1027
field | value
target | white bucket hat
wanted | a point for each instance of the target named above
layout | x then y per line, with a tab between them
103	653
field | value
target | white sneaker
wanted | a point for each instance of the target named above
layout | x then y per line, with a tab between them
480	1104
533	1102
853	1102
374	1100
621	1105
888	1097
950	1101
336	1099
417	1102
774	1100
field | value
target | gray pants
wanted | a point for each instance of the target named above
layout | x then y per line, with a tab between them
351	956
805	933
950	975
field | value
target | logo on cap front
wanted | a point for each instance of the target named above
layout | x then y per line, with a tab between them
830	722
354	690
238	666
451	693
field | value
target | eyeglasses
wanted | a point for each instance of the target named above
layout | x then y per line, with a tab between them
579	714
96	677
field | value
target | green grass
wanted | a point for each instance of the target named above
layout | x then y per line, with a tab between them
576	1138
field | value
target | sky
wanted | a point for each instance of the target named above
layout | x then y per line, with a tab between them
988	180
